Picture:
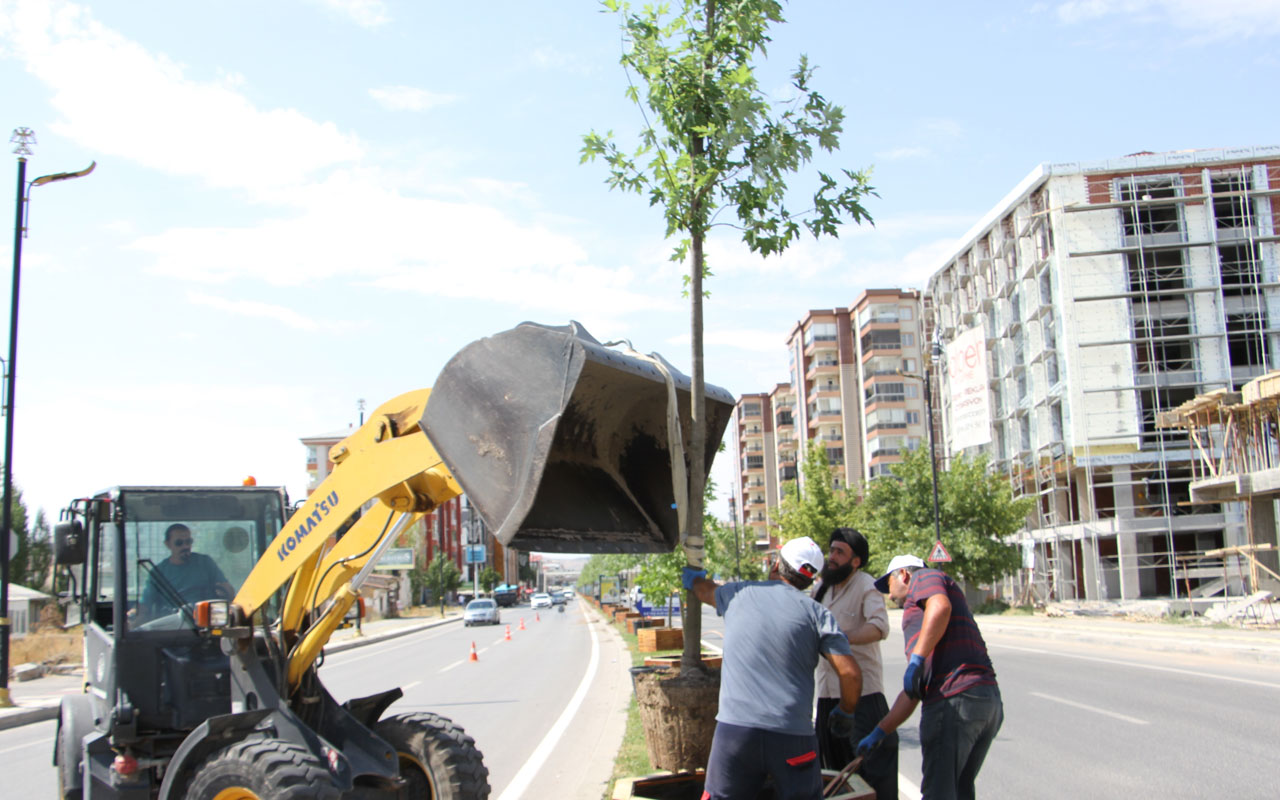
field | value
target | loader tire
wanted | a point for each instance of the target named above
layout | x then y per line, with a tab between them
261	769
438	760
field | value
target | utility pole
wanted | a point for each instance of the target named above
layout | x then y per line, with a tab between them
23	138
737	548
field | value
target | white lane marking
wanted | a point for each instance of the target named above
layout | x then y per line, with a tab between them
1122	663
907	789
409	686
1094	709
338	660
28	744
525	776
454	664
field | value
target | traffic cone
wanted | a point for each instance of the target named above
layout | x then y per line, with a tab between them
537	617
522	627
473	656
508	636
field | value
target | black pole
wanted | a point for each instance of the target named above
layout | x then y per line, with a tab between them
7	516
737	548
933	455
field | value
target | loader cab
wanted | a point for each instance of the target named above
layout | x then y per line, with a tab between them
140	586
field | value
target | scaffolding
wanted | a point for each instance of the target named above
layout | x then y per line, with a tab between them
1160	285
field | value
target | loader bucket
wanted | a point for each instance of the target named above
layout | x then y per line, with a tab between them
561	443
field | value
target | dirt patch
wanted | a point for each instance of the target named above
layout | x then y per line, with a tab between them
47	647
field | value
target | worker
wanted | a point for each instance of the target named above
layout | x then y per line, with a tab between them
849	593
949	669
774	635
193	576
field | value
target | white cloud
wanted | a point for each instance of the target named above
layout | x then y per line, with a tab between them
409	98
1208	19
253	308
901	153
366	13
117	99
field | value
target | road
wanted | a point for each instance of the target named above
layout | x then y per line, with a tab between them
522	701
1085	720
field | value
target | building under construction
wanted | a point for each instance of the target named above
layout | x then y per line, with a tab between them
1108	293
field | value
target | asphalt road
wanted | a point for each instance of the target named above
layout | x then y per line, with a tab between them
1085	720
524	701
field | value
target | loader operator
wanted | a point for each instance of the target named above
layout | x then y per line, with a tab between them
774	636
849	593
949	669
194	576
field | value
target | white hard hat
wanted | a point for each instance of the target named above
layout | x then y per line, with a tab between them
899	562
803	555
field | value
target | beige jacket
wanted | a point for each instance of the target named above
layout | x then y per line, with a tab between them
854	603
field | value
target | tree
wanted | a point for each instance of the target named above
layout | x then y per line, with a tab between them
731	552
489	578
441	577
659	578
976	509
820	507
714	144
607	564
19	558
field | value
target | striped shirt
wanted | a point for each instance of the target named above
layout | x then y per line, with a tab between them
959	661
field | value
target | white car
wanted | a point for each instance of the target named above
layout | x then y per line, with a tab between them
541	600
481	612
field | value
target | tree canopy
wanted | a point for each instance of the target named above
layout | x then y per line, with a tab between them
976	509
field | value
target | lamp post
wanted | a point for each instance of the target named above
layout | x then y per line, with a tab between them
23	138
933	455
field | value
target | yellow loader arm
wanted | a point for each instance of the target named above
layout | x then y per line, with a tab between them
390	459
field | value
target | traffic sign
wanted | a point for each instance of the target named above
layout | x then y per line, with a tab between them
475	554
938	553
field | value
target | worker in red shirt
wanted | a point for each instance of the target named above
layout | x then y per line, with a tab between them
949	670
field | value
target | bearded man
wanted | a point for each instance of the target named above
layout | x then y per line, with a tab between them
851	596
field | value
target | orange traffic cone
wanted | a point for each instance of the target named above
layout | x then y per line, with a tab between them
508	636
537	617
473	656
522	624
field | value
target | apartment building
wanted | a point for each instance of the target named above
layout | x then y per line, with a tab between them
855	387
1106	293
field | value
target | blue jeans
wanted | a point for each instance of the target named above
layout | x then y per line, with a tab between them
955	735
742	758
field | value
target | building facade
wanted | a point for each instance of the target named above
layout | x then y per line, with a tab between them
1107	293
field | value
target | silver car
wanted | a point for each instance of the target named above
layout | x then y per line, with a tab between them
480	612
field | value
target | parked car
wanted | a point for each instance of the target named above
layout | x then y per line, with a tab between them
481	612
541	600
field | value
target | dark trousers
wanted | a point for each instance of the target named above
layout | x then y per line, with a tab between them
880	768
955	735
742	758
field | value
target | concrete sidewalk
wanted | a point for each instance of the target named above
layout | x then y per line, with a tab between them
38	700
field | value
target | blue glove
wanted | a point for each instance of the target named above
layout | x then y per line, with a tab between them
840	723
870	742
690	574
913	678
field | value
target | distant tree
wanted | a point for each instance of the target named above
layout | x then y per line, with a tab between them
819	507
489	578
19	559
39	553
441	577
607	564
659	577
976	508
713	144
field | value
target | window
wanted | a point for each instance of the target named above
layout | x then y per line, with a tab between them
1145	218
1246	340
1231	209
1051	369
1159	271
835	456
909	365
883	340
1239	270
880	392
1163	344
1151	402
913	417
755	462
906	313
908	340
750	409
820	332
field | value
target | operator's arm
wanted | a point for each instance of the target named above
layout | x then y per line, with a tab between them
937	615
850	679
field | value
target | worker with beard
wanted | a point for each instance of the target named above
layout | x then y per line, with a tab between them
851	597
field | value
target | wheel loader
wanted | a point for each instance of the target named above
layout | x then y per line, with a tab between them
206	610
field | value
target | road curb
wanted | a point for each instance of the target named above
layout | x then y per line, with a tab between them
26	716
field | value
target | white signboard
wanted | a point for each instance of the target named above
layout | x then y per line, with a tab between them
967	382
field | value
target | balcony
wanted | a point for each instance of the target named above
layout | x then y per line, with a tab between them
826	367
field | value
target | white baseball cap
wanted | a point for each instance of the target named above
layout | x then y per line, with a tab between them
804	556
898	562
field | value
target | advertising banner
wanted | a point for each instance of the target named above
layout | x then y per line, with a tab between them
967	384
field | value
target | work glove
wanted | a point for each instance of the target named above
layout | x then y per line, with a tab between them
690	574
840	723
870	742
913	678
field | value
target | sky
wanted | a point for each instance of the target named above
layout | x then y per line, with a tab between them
299	204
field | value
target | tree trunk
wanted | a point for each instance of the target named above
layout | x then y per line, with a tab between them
692	611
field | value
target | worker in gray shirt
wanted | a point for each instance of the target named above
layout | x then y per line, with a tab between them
850	594
774	637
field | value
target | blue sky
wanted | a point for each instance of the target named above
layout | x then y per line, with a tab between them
301	203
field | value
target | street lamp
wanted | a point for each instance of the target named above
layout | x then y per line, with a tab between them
23	138
934	355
